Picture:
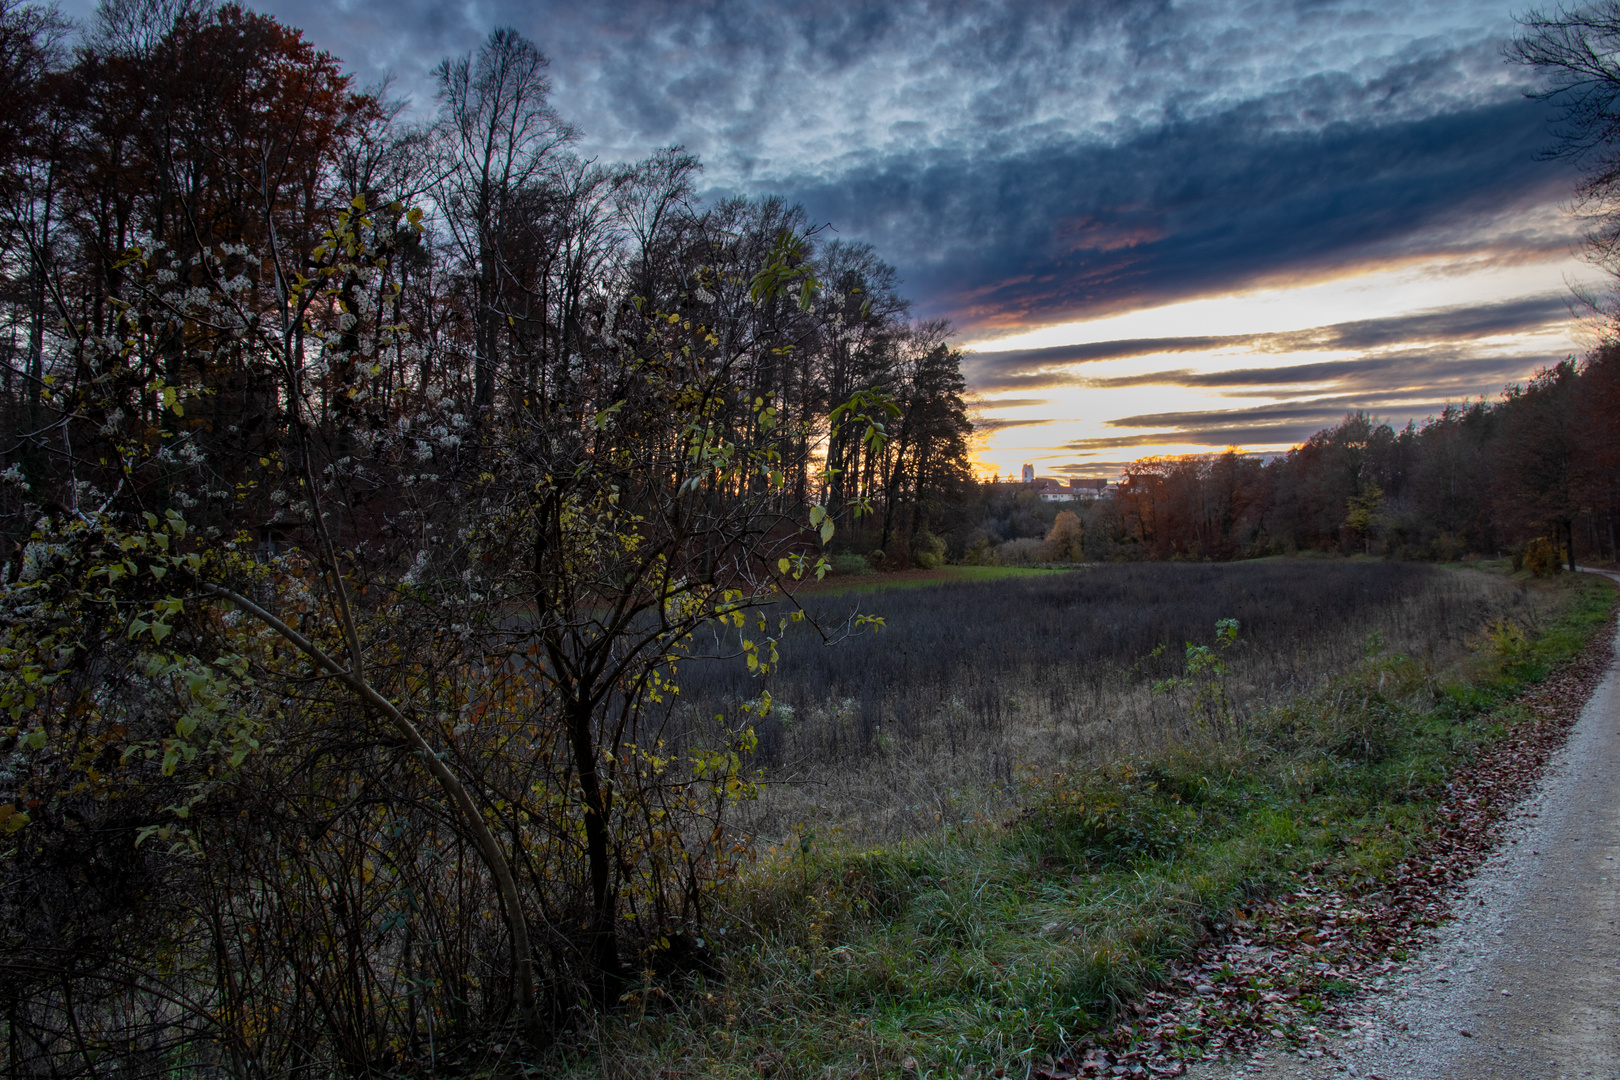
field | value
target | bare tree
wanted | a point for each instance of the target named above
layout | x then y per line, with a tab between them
499	136
1577	50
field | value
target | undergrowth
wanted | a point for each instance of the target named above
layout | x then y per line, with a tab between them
980	948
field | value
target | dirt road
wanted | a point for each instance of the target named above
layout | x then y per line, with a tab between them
1525	982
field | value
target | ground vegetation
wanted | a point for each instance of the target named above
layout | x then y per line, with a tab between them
1161	909
935	719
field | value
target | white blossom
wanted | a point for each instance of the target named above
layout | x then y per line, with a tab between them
414	574
37	557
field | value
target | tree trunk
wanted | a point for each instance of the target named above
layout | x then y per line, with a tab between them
603	930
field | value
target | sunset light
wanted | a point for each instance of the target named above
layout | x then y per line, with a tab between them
1262	368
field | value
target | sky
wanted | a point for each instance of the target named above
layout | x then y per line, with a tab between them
1157	227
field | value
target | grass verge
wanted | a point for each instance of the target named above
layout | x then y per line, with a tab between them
982	948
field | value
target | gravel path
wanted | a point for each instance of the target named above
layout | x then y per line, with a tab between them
1525	981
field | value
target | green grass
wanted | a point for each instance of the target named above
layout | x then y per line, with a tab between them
922	579
992	945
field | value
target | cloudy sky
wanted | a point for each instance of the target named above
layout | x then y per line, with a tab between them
1158	227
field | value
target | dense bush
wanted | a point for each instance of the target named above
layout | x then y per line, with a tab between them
1540	558
927	550
1024	552
846	565
1066	541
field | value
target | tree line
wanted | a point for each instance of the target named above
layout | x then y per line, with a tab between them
1541	463
367	482
1534	473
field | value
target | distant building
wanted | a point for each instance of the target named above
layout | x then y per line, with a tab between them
1090	489
1058	491
1050	490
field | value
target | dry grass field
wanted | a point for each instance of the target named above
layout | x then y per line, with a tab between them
969	689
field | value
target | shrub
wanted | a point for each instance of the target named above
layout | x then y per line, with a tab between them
1026	552
1447	548
1114	819
927	550
850	565
1063	542
1541	558
979	553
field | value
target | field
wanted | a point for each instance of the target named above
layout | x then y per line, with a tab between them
969	688
957	887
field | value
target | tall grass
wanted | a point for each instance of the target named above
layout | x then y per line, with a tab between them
968	689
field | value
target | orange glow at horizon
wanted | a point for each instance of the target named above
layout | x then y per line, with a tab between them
1074	418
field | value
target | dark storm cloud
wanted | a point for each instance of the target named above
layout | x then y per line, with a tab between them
1190	208
1031	368
1037	161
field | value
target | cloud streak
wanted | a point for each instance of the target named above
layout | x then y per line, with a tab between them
984	426
1384	373
1279	423
1280	413
990	372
